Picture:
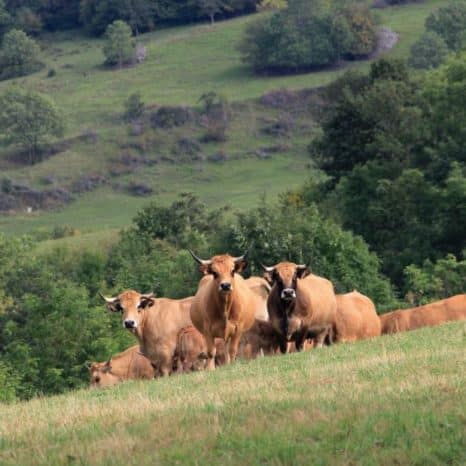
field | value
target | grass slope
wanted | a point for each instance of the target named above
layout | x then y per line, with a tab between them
183	63
393	400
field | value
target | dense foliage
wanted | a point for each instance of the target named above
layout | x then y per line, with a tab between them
393	150
95	15
119	47
309	34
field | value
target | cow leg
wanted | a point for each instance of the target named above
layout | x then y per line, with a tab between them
233	346
283	346
211	351
299	341
321	334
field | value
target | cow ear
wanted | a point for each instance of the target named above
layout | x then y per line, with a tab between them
204	269
108	366
268	277
146	302
302	271
240	265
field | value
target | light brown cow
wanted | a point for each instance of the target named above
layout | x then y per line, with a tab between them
262	290
429	315
129	364
191	351
224	306
260	339
300	305
356	318
155	322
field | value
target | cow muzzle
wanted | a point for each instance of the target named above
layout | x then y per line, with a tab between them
225	287
129	324
288	294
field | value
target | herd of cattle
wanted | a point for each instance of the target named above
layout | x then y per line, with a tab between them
289	309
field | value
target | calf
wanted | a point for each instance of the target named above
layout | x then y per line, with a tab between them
129	364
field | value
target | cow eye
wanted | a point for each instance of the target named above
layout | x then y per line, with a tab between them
215	274
97	379
233	272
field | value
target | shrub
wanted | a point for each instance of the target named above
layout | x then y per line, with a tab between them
429	51
19	55
307	36
134	106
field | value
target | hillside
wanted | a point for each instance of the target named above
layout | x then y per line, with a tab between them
183	63
393	400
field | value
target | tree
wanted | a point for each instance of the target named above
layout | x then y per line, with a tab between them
5	19
119	46
212	8
429	51
19	55
449	22
29	118
28	21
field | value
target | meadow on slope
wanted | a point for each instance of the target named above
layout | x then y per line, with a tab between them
391	400
183	63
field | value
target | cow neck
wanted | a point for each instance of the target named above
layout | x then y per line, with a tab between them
142	324
224	303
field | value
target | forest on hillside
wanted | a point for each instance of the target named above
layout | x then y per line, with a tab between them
387	217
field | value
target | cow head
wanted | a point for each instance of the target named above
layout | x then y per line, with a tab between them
101	375
223	269
131	304
283	278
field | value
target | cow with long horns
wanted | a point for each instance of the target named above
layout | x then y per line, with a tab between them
155	322
301	305
224	306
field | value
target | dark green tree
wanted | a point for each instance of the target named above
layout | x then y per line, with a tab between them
119	46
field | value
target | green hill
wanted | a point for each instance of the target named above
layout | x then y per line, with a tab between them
183	63
393	400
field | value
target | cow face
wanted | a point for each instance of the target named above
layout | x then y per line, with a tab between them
223	269
101	375
284	280
284	277
131	304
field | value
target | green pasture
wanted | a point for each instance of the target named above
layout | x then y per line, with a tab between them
391	400
182	64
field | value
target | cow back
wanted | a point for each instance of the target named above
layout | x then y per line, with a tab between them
356	318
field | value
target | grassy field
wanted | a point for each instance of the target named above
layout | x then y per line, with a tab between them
393	400
182	64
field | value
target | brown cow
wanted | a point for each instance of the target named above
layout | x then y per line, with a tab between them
262	289
191	351
356	318
129	364
260	339
300	305
429	315
224	306
155	322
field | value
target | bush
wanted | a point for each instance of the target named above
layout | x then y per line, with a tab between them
119	46
134	106
449	22
168	117
19	55
429	51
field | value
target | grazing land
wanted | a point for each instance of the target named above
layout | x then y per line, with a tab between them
182	64
392	400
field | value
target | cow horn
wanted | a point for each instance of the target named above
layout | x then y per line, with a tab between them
148	295
240	258
199	260
301	266
267	269
107	300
